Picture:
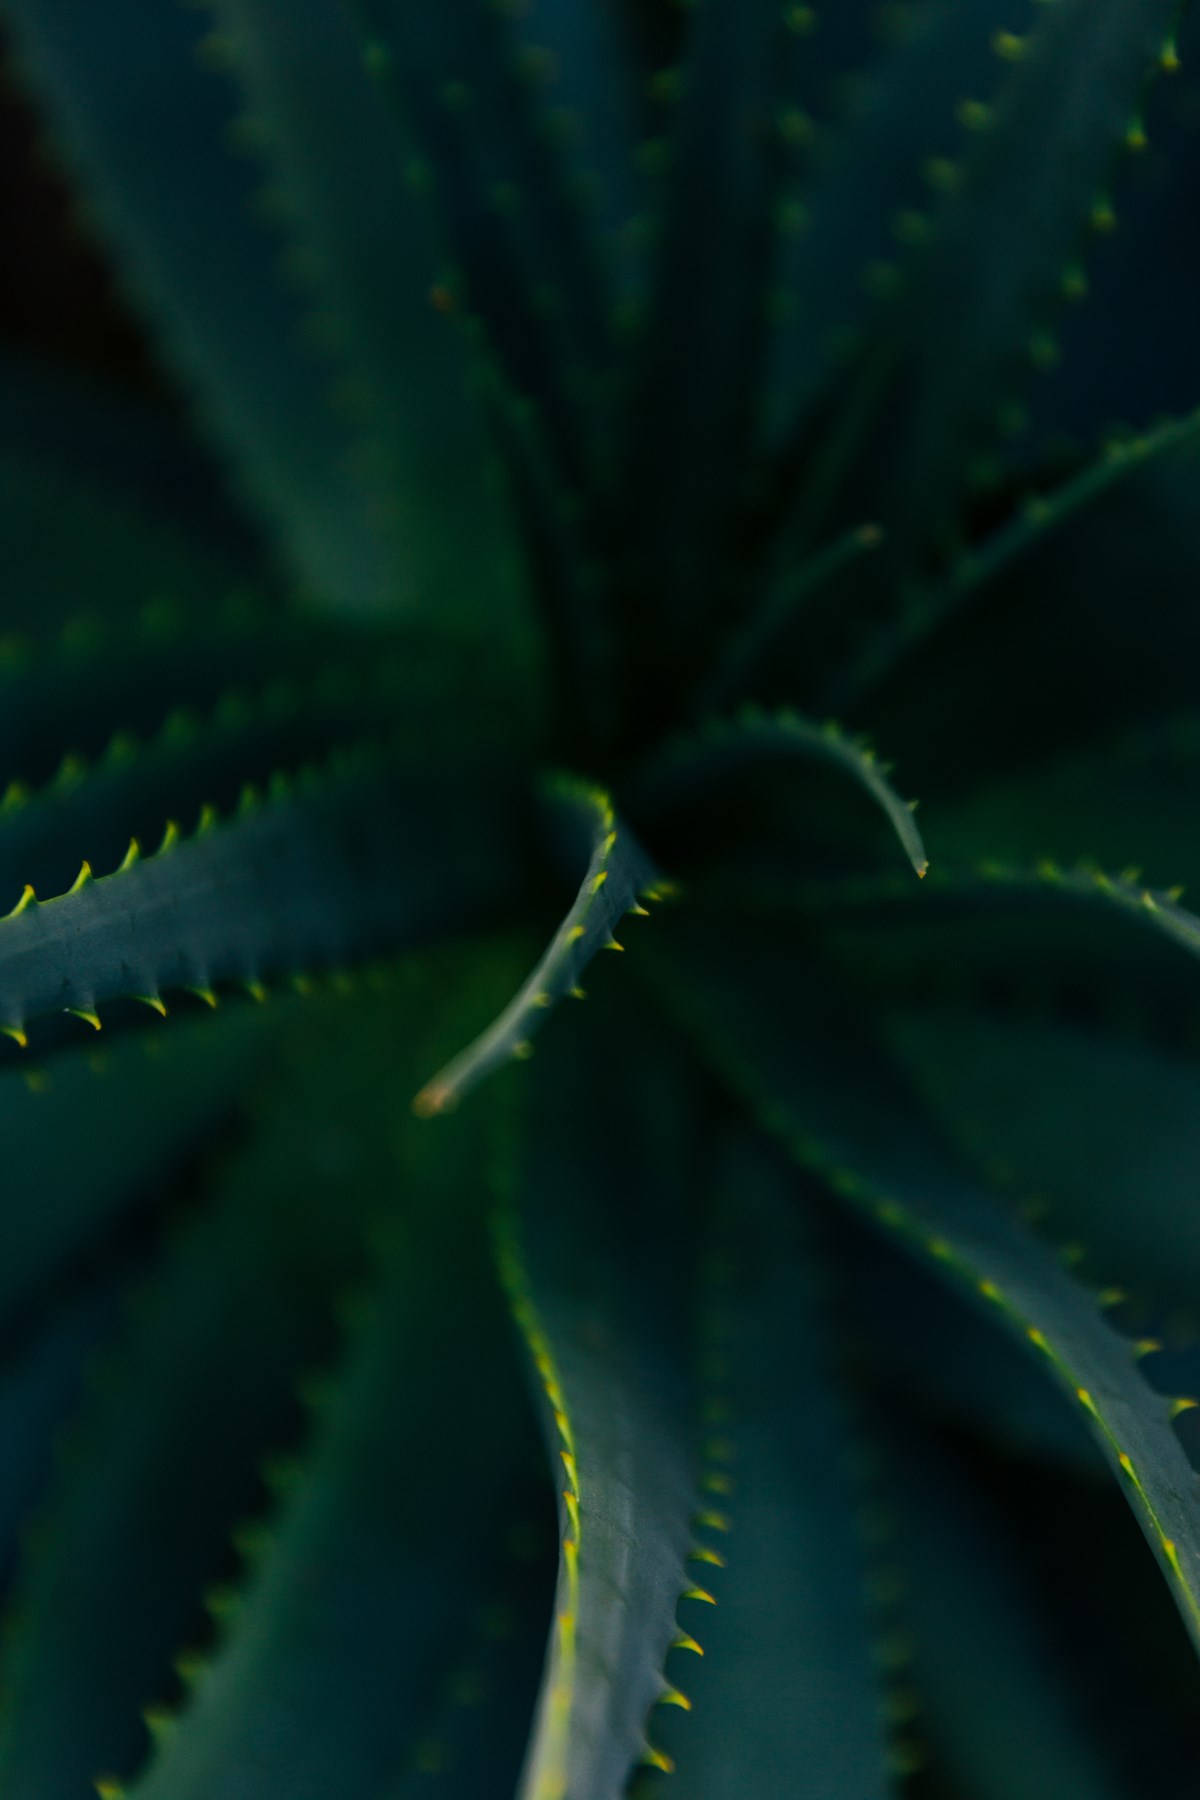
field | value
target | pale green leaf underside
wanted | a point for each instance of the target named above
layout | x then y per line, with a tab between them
594	1250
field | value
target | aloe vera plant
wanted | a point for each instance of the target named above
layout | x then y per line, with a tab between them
608	392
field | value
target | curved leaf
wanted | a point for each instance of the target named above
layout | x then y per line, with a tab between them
516	231
594	1250
86	1142
844	1112
356	859
364	246
979	291
864	172
147	128
787	1698
363	1591
1040	513
618	872
1104	1132
754	736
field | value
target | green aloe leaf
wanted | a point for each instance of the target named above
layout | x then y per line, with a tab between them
364	1590
332	867
88	1139
688	764
846	1113
518	233
163	1461
787	1698
1101	1130
149	128
364	243
595	1254
868	177
978	294
617	876
1041	512
686	440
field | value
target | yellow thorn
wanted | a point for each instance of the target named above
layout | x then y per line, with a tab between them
255	989
132	855
612	944
712	1520
82	879
574	934
698	1593
16	1033
599	881
716	1481
170	837
684	1641
155	1002
522	1049
209	819
671	1696
640	912
578	993
658	1759
702	1553
28	899
1183	1403
89	1017
1146	1346
202	993
1037	1337
1085	1400
1125	1463
109	1788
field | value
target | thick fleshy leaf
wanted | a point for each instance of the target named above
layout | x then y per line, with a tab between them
66	539
867	180
846	1112
66	693
364	1591
595	1249
89	812
686	765
618	875
1004	1710
88	1141
147	129
928	1350
1042	512
685	440
977	295
358	859
362	240
1103	1131
517	233
787	1698
165	1459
